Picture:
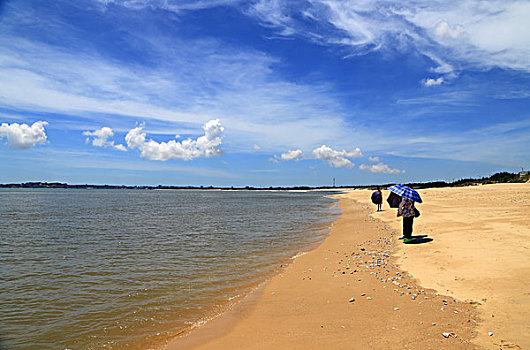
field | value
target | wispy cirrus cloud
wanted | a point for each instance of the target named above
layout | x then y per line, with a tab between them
256	105
171	5
463	32
181	81
454	34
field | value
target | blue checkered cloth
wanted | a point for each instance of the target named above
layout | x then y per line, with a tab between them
406	192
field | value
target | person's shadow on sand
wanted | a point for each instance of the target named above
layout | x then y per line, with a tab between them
420	239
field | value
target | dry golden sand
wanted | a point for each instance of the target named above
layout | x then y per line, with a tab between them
306	305
480	252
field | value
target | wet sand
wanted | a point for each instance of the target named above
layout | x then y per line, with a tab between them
309	305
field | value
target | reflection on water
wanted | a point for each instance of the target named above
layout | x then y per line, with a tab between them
91	269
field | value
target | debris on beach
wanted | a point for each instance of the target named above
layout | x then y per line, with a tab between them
447	335
490	334
351	300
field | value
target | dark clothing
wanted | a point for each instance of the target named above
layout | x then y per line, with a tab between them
377	197
407	226
393	200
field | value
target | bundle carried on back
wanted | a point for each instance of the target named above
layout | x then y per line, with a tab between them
377	198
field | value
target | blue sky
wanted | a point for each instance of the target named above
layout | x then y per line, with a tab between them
260	93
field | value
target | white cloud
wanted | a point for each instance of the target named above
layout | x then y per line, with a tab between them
257	105
175	6
465	32
510	139
256	147
290	155
23	136
444	30
474	33
380	168
336	159
101	138
204	146
274	13
373	159
433	82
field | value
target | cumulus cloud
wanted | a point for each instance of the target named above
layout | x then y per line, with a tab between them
290	155
433	82
204	146
373	159
23	136
380	168
100	138
336	159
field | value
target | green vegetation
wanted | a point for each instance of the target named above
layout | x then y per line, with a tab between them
501	177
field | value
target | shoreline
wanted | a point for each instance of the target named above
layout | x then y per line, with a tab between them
307	304
220	317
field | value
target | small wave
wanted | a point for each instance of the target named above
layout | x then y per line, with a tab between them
299	255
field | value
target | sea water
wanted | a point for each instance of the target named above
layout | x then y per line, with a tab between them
116	269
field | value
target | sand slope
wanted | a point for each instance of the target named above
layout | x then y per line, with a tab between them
480	252
306	306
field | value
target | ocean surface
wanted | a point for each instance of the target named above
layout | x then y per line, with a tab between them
129	269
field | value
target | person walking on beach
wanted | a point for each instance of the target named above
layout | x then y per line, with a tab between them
406	209
377	198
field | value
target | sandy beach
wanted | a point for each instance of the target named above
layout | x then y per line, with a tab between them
469	281
480	253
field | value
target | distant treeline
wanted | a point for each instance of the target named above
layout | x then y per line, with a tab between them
62	185
501	177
